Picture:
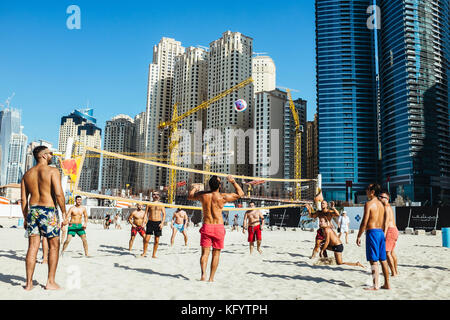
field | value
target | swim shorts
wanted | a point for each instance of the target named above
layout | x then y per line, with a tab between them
320	235
338	248
76	229
136	230
43	221
375	245
153	228
212	235
391	238
254	232
179	227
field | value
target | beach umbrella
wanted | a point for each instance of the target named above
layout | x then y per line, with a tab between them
4	200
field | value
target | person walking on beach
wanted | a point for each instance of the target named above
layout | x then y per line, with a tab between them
390	233
136	219
343	224
333	243
254	219
235	223
373	223
154	217
42	184
179	223
329	214
117	221
76	214
213	230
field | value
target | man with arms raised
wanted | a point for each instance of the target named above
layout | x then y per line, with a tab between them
136	219
390	233
329	214
76	214
42	184
213	231
179	222
373	223
155	224
252	219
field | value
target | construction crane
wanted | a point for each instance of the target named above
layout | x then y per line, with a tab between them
298	144
8	101
174	138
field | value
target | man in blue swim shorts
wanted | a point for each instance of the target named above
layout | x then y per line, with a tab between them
373	223
179	222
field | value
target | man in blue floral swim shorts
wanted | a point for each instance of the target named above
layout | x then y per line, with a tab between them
40	187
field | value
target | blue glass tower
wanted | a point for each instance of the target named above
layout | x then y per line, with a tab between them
346	97
414	71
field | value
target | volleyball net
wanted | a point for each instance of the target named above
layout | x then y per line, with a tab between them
133	177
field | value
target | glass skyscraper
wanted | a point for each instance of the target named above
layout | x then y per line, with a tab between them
346	97
414	70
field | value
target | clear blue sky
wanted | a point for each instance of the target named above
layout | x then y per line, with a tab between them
54	70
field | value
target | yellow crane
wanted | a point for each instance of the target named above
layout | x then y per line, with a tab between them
298	147
174	138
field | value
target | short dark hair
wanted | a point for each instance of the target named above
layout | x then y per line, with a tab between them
77	197
251	202
37	151
385	192
214	183
374	187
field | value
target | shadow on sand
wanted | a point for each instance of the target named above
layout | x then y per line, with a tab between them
305	278
149	271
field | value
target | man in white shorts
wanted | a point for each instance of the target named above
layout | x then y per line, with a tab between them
343	225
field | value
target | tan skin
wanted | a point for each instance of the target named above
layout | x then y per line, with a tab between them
251	219
179	217
331	240
374	218
77	214
41	186
136	219
212	204
154	213
329	214
390	223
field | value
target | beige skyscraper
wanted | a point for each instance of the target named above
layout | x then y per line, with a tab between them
229	63
275	140
119	137
263	73
159	106
190	90
140	130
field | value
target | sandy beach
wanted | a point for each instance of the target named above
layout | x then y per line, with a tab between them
283	272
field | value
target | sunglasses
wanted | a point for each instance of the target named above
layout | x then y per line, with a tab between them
384	198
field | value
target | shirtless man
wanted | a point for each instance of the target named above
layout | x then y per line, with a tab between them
136	219
329	214
155	224
42	184
252	219
390	233
77	213
213	230
373	222
333	243
179	222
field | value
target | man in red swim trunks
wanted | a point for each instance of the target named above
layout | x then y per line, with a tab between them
252	218
213	230
136	219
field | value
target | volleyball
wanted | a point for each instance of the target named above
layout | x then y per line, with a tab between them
240	105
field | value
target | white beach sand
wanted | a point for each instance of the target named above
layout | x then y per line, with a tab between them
283	272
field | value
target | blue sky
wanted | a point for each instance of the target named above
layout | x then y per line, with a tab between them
53	70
